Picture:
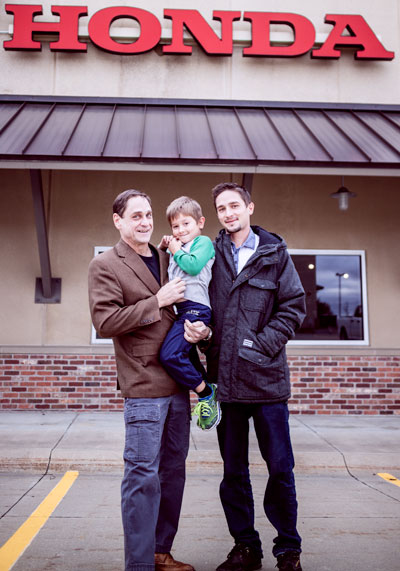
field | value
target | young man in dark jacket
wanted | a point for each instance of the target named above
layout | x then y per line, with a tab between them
258	303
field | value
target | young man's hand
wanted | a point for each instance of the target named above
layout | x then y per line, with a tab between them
174	245
171	292
195	331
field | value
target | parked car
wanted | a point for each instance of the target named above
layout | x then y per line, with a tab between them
351	326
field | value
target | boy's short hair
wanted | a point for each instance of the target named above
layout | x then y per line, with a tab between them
184	205
244	193
120	202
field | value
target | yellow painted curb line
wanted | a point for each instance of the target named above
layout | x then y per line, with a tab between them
390	478
12	550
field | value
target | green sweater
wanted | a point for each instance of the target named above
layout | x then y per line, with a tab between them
193	262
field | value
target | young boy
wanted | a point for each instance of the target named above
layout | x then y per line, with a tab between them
191	258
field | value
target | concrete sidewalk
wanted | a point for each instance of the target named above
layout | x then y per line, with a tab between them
88	441
348	515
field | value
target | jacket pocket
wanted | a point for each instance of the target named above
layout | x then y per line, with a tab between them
141	349
258	294
142	354
260	376
142	431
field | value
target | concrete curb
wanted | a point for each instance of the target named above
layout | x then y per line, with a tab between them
89	442
206	462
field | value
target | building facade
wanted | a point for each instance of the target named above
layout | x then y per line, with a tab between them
299	103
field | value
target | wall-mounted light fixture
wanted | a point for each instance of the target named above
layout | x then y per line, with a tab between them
343	194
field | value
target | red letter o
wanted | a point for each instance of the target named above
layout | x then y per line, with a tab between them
99	30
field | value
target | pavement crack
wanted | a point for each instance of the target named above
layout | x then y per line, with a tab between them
345	461
46	472
193	441
192	438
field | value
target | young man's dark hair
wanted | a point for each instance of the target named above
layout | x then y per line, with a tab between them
244	193
119	204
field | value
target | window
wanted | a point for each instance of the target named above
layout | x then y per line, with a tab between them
95	337
336	297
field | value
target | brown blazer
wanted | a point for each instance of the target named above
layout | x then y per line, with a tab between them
124	306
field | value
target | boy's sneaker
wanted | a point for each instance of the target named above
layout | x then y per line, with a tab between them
289	561
208	410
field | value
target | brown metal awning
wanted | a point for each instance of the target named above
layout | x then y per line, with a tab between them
66	132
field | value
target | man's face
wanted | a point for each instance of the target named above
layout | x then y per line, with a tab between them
136	224
232	211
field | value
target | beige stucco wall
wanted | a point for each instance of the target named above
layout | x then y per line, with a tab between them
97	73
298	207
79	218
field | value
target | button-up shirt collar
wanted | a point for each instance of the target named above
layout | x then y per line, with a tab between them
244	251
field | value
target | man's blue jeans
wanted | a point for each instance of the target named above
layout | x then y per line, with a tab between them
156	446
280	504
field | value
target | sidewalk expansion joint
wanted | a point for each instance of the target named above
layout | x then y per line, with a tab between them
345	461
192	440
46	472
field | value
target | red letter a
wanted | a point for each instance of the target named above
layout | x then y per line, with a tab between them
362	37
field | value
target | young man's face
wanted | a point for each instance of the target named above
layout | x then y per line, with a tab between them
185	227
136	224
232	211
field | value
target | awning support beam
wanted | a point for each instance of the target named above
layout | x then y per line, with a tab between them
247	181
47	288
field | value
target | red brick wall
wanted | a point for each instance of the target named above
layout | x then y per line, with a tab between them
58	382
345	385
320	384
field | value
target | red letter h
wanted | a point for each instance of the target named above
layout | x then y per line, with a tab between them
66	28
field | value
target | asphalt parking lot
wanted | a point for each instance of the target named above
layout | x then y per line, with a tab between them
348	515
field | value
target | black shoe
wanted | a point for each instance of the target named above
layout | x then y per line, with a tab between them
241	558
289	561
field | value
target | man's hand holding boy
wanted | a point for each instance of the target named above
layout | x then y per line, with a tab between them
171	292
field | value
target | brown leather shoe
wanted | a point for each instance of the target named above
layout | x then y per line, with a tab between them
165	562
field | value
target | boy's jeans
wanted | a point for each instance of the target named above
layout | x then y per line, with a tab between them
156	446
179	357
280	505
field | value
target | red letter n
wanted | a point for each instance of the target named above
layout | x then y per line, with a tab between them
201	31
66	28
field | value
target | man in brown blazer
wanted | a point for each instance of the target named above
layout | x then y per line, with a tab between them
130	301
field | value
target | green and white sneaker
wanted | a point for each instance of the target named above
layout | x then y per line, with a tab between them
208	410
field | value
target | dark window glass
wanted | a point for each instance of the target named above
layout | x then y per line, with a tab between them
333	286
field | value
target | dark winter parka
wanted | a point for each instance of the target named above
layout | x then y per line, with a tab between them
255	313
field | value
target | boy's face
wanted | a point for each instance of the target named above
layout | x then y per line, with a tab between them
185	228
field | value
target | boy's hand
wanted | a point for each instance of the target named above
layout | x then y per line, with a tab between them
174	245
171	292
165	240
